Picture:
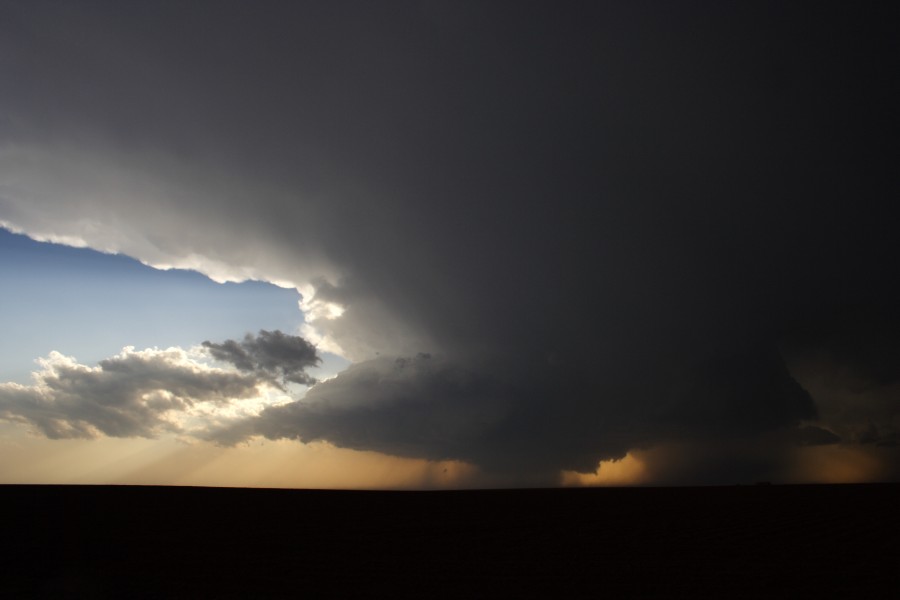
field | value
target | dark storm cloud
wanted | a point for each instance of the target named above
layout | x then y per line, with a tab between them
851	364
529	424
602	220
270	353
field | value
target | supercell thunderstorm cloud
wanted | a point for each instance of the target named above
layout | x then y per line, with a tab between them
545	235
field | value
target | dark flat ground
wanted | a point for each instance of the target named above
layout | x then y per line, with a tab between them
723	542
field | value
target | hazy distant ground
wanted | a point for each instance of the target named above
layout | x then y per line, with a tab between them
747	541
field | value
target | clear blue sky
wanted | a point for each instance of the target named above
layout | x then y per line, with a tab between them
89	305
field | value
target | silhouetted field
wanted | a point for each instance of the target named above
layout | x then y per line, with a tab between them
742	541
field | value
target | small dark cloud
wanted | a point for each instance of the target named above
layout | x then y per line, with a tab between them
271	354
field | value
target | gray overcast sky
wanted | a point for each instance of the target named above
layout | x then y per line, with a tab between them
553	233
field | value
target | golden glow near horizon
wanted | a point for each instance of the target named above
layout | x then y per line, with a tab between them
629	470
28	459
838	463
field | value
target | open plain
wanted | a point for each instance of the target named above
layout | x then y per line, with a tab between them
738	541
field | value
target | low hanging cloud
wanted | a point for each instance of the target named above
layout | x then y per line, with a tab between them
517	424
146	393
421	407
511	422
